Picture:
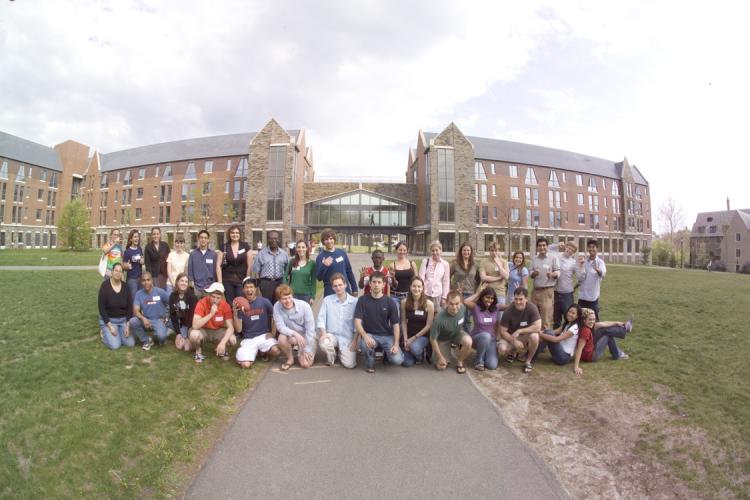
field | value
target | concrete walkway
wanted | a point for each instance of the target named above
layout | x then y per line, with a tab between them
399	433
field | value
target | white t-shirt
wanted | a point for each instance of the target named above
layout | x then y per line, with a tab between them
179	265
569	345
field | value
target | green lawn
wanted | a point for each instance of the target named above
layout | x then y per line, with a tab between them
690	335
79	420
49	257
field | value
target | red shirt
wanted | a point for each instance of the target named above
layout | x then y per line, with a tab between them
203	309
386	272
588	349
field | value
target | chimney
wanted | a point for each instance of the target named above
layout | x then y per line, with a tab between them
728	209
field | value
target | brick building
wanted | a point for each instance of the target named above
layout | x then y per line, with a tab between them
457	188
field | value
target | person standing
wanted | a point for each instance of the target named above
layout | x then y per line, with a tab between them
335	324
113	250
435	272
518	274
376	322
402	271
115	310
269	266
564	287
594	270
155	256
202	266
177	262
447	330
132	261
494	271
235	263
332	260
300	273
544	271
150	312
464	274
377	266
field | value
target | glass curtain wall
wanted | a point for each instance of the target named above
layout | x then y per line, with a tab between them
359	209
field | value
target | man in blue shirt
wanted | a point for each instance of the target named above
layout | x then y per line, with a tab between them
333	260
593	270
269	266
202	265
336	324
376	322
296	326
150	312
254	326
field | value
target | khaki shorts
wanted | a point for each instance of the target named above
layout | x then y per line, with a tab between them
504	345
213	336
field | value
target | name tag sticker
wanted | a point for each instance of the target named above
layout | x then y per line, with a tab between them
488	320
240	251
524	323
461	321
219	318
136	258
339	259
418	312
255	317
156	297
209	261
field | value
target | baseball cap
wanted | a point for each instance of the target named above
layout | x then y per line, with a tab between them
215	287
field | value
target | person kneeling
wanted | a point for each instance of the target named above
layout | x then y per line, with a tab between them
150	311
376	322
519	329
212	322
336	324
447	329
296	327
252	318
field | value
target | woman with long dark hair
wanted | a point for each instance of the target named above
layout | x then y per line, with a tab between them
484	308
115	310
132	261
182	303
417	313
300	273
235	263
155	255
464	275
402	271
518	274
562	341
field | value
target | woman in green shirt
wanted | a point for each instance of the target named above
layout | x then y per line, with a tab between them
464	276
300	273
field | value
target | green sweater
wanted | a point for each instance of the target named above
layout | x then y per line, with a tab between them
303	278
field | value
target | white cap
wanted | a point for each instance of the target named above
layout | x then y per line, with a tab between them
215	287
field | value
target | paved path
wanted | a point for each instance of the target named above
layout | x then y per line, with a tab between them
399	433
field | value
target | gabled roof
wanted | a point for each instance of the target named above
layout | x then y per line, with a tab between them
28	153
719	218
529	154
745	216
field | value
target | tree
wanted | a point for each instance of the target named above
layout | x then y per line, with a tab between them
73	228
671	217
505	217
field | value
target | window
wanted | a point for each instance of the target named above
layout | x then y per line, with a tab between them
138	213
446	188
514	192
156	174
494	213
554	199
206	188
579	197
208	167
492	168
40	195
479	174
139	193
528	196
494	190
448	240
737	237
712	229
241	168
604	185
127	180
512	171
737	253
593	203
237	190
165	195
579	180
104	182
702	230
275	179
530	176
53	180
229	165
226	187
515	214
594	221
4	170
168	172
42	176
141	174
592	184
581	218
565	196
615	189
553	182
481	193
604	199
21	176
38	214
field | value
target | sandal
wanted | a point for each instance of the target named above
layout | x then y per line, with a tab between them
199	358
479	368
460	369
285	366
510	358
527	368
224	355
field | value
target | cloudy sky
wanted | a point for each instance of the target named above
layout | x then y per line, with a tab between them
661	83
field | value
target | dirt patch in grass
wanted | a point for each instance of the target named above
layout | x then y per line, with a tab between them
602	443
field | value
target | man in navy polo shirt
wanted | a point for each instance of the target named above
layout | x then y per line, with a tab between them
150	312
254	326
202	265
377	324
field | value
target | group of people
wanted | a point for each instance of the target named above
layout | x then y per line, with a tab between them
408	312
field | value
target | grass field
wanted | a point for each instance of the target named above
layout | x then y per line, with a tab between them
79	420
690	337
48	257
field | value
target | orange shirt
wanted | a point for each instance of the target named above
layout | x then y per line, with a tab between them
203	309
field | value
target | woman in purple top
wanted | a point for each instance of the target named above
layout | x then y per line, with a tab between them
132	261
486	313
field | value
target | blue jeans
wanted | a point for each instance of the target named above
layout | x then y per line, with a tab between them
559	356
467	313
605	337
157	326
115	341
563	301
385	342
484	343
416	350
134	284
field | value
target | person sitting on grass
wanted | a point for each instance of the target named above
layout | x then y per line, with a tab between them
115	310
376	322
447	330
596	336
254	325
182	304
519	329
296	327
150	312
562	340
212	322
336	324
486	312
417	314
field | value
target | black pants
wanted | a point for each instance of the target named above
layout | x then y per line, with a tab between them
590	304
563	301
268	288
